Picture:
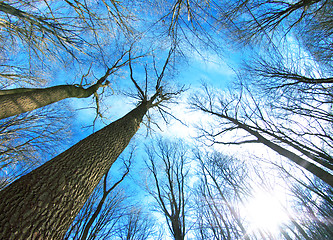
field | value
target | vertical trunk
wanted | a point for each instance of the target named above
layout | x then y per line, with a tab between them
176	227
232	210
43	203
16	101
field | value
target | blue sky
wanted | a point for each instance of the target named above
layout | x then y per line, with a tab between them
218	71
214	71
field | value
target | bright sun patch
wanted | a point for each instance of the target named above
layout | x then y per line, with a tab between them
265	211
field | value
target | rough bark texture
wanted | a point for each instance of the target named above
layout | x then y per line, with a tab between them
43	203
100	204
16	101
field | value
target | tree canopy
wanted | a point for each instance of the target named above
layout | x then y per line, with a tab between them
236	102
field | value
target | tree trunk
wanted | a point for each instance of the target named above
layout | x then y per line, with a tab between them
100	204
16	101
93	217
177	232
311	167
43	203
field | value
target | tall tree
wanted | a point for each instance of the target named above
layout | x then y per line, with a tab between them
53	35
250	20
45	28
101	212
43	203
20	100
166	162
27	139
313	198
224	186
136	225
246	114
228	187
192	24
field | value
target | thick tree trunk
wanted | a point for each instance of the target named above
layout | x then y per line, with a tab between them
43	203
93	217
177	232
100	204
16	101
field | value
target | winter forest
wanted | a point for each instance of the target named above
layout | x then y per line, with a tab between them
166	119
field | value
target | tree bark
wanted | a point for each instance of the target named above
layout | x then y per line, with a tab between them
100	204
176	227
16	101
43	203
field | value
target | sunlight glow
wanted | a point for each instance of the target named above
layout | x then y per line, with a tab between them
265	212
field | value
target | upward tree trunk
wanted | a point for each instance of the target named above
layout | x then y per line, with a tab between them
16	101
43	203
100	204
311	167
177	229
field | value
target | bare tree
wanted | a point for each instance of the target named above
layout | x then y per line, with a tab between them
17	21
227	185
49	198
223	188
20	100
285	138
167	164
315	34
251	20
192	24
315	221
99	215
313	198
50	35
27	139
45	27
136	225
